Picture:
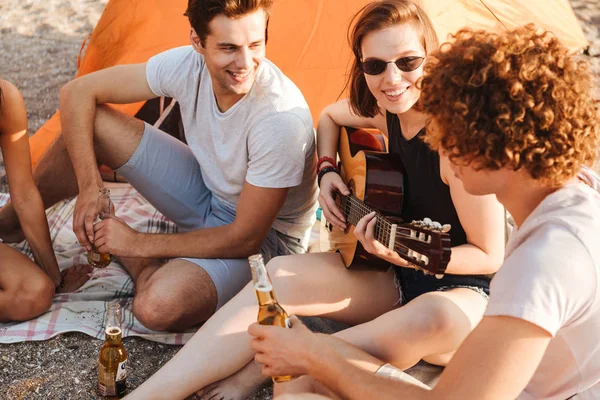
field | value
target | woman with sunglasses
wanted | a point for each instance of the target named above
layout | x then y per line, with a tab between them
528	131
400	316
26	288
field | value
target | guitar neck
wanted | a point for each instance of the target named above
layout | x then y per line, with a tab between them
355	209
406	242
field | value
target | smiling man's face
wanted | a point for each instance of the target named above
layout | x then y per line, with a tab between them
233	52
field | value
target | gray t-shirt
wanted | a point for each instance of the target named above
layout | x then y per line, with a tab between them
267	138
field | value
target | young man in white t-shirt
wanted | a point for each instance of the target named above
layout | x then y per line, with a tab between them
514	114
245	184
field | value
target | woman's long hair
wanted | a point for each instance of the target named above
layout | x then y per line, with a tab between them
376	16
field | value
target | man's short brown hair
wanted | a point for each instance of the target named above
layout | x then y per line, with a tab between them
512	100
202	12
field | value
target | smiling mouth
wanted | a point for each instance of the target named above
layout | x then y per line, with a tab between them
395	93
239	76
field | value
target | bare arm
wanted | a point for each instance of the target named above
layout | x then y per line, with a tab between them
496	361
333	117
482	218
256	211
328	133
78	100
25	196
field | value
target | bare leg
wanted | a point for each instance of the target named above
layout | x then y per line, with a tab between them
302	386
238	386
116	136
170	297
221	346
431	327
25	290
307	384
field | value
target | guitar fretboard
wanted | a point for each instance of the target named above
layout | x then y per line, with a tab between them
355	209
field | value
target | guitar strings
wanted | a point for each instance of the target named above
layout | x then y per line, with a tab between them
355	209
351	210
358	209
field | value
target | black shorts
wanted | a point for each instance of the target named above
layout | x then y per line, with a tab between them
412	283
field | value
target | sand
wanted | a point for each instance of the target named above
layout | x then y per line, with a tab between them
39	44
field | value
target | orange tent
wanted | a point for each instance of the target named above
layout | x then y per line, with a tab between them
307	38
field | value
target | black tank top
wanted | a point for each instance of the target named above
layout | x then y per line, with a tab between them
425	194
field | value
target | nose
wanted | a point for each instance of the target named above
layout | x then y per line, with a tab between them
392	73
244	59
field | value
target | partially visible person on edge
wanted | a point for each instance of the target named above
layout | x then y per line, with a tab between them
27	289
245	184
514	113
401	315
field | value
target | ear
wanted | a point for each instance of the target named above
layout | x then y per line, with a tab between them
195	41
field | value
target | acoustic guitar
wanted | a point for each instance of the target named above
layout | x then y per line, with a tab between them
375	180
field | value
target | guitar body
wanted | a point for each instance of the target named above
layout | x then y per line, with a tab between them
373	177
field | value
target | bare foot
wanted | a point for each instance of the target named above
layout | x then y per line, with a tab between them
236	387
74	277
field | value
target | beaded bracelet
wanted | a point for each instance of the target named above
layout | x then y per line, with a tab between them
325	159
61	284
323	171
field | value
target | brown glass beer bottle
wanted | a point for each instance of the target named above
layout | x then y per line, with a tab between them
113	357
104	206
270	311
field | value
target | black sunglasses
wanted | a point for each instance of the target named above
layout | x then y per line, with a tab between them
405	64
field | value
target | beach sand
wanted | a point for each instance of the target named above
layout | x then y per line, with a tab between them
39	44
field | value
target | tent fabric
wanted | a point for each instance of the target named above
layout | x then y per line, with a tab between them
307	39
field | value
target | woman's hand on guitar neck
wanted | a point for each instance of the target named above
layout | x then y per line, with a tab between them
365	233
332	183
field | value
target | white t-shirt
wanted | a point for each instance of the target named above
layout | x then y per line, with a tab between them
267	138
551	278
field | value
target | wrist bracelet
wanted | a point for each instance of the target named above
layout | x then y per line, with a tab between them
323	171
325	159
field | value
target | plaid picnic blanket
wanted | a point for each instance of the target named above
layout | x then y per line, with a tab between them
85	310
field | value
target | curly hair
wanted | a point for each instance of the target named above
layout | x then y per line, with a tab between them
511	100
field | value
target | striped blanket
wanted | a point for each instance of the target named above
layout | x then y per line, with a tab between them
84	310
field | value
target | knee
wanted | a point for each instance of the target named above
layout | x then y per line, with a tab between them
32	298
438	321
153	311
161	311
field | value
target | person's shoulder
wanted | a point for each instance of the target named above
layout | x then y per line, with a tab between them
574	207
179	54
553	247
178	51
177	60
278	88
278	101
